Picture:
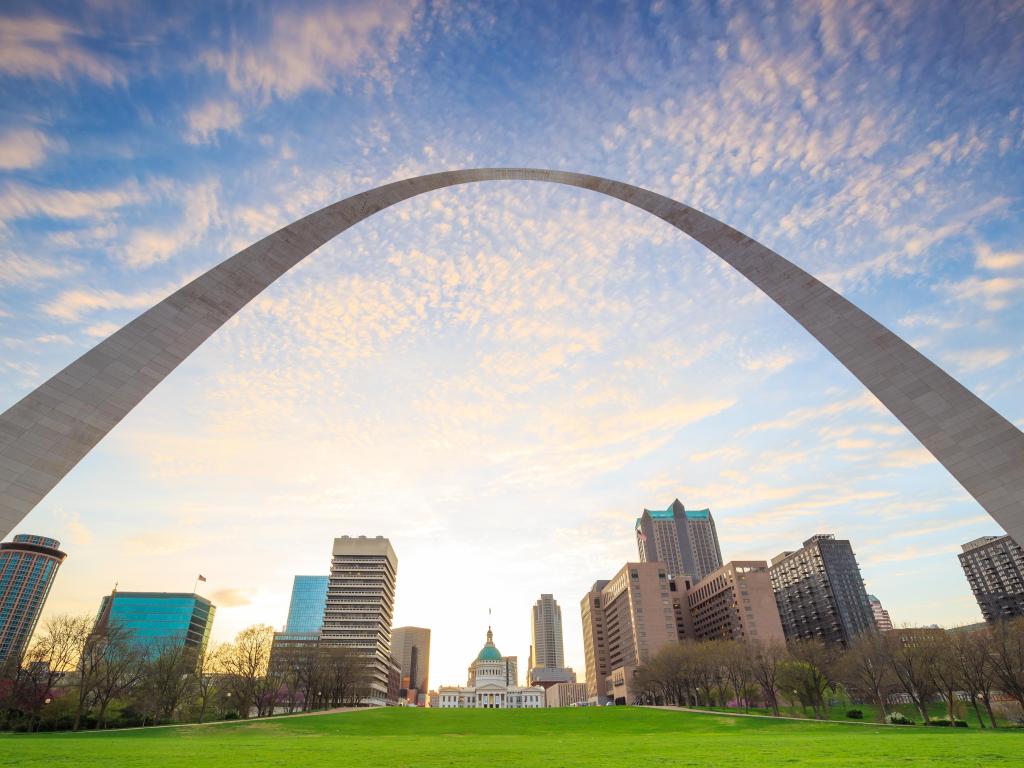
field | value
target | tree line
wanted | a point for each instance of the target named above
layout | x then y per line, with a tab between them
72	677
981	668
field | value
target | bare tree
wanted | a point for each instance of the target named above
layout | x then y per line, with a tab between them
970	653
209	671
912	663
1006	640
111	666
765	661
864	668
737	668
245	662
53	654
169	677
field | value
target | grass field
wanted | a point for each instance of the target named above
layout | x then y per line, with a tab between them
557	738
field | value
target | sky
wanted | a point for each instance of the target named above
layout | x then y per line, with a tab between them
501	377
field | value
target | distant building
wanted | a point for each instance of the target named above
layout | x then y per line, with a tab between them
28	566
684	540
882	620
547	657
491	684
820	593
306	608
411	646
158	620
994	566
565	694
626	621
736	602
360	604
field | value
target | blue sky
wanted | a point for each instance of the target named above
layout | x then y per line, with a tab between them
500	377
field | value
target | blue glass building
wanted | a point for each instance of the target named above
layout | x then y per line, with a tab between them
306	609
156	619
28	566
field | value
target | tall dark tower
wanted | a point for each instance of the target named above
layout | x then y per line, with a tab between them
685	540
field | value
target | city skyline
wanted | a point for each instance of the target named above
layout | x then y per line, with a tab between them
491	395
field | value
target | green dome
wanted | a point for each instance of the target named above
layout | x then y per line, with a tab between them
489	652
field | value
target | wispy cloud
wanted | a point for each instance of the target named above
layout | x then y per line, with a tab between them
22	148
51	48
19	269
206	121
73	305
20	201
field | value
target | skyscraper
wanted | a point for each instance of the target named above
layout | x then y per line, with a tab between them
684	540
360	604
28	566
547	656
883	622
626	621
820	592
306	608
156	619
994	566
411	647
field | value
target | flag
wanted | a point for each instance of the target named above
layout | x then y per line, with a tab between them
201	577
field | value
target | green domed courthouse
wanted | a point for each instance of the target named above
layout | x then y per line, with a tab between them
493	684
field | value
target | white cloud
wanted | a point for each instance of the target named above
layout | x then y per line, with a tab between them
993	293
209	119
18	269
967	361
72	305
151	245
20	201
310	50
43	47
22	148
989	259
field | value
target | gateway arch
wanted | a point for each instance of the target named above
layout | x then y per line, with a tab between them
50	430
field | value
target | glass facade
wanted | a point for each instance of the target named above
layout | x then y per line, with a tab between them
306	609
156	619
28	566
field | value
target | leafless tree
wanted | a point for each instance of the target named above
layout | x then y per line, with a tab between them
111	666
912	663
169	677
765	661
970	653
245	663
1006	640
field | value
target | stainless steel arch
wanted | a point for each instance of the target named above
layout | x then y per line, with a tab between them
49	431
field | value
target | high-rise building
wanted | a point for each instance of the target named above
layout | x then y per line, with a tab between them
684	540
411	647
360	604
547	656
155	620
994	566
736	602
820	593
625	623
565	694
28	566
306	608
883	623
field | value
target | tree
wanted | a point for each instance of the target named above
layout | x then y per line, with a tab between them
971	653
209	671
111	666
54	652
1006	640
810	673
863	668
912	662
245	663
735	661
169	677
766	659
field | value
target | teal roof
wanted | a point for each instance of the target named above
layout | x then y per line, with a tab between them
697	514
489	652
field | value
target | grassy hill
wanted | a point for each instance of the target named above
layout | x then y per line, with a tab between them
554	738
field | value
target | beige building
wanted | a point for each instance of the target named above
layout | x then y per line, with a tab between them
566	694
626	621
411	647
736	602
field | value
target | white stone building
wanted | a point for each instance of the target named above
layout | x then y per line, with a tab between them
492	684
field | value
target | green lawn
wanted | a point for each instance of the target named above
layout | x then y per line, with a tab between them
569	738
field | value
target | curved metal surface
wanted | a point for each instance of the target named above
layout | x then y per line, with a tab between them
49	431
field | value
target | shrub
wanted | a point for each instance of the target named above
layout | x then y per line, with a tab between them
898	718
855	714
945	722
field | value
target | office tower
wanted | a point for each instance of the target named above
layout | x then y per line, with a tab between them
684	540
28	566
546	631
736	602
547	657
411	647
595	650
994	566
625	623
820	593
565	694
306	608
882	621
360	604
155	620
